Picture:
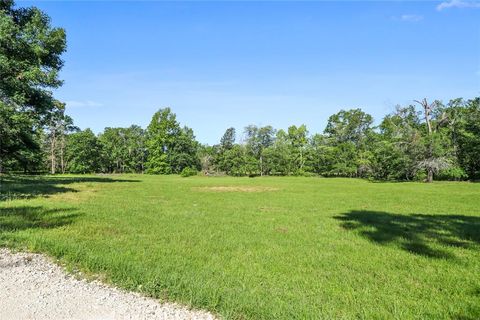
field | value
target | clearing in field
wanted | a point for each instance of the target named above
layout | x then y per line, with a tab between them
262	248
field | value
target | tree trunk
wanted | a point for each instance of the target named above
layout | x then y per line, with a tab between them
429	175
301	159
261	166
62	147
427	109
52	152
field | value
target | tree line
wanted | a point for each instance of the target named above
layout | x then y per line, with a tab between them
421	141
435	140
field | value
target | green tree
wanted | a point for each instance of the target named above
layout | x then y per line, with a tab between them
435	155
319	154
349	133
183	152
206	155
298	139
123	149
278	158
170	147
227	142
58	125
258	139
228	139
161	133
399	145
349	126
17	135
30	50
466	137
240	162
83	152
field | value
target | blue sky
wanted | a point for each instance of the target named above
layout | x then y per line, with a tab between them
222	64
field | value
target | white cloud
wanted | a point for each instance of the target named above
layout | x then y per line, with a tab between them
411	17
458	4
86	103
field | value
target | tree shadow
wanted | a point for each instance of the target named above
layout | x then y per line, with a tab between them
27	217
25	187
423	234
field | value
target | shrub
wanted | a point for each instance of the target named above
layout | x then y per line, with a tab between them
188	172
420	176
452	173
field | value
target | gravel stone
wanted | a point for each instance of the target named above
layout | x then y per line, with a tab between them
33	287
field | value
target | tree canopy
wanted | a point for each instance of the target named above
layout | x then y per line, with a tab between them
30	60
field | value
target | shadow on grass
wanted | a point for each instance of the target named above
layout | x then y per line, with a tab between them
27	217
427	235
25	187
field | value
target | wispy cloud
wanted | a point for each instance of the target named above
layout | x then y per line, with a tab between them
458	4
86	103
411	17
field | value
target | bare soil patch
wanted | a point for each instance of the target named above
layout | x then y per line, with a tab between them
236	189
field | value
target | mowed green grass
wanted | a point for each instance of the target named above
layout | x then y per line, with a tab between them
262	248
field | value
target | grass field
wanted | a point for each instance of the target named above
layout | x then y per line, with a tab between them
262	248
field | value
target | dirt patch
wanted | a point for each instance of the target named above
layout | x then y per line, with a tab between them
281	229
269	209
78	193
236	189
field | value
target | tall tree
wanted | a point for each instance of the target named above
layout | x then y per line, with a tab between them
399	145
161	133
348	132
136	150
351	125
58	125
183	152
83	152
466	135
434	158
17	135
123	149
228	139
298	138
321	155
278	158
227	142
258	139
170	147
30	60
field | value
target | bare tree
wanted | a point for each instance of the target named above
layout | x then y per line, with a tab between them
431	163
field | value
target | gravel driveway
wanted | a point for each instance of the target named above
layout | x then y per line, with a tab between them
33	287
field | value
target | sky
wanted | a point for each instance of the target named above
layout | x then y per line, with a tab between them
230	64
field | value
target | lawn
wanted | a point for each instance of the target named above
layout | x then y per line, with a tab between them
261	248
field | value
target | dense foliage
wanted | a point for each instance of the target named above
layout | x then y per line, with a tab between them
30	51
401	147
171	148
409	144
416	142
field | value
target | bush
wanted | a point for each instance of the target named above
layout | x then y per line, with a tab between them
188	172
452	173
420	176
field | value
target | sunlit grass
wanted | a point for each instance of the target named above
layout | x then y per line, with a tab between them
262	248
